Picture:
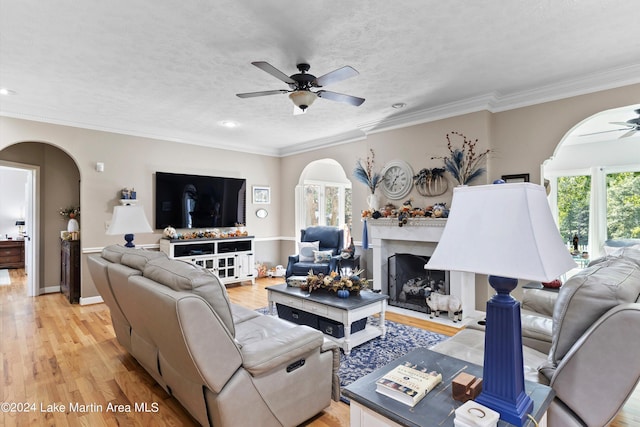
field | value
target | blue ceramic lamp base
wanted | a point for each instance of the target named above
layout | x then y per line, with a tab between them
503	372
129	239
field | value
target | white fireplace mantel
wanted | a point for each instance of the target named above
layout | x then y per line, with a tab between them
418	236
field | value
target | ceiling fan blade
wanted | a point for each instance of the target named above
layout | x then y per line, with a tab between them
628	125
263	93
604	131
265	66
336	76
334	96
631	132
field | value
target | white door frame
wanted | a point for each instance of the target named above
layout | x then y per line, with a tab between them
32	218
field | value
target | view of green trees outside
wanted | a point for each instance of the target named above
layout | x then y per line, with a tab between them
573	207
623	206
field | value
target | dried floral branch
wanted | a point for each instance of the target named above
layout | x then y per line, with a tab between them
365	174
464	163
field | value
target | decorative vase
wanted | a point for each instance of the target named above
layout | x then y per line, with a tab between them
373	200
343	293
73	225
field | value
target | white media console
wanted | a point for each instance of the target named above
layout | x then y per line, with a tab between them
230	258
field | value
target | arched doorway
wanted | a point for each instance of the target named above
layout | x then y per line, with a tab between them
592	175
56	187
323	196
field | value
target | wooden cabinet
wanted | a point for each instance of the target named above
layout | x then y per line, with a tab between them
12	254
231	259
70	270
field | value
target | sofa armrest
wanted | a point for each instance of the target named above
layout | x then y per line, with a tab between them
330	345
601	370
539	301
288	346
292	260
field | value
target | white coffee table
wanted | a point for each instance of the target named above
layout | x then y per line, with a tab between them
343	310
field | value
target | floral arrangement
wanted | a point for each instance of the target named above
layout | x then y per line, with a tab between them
70	212
407	211
365	174
334	282
464	163
171	233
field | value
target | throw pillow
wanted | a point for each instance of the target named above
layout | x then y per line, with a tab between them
305	250
322	256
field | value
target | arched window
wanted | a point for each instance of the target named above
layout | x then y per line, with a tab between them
323	196
594	181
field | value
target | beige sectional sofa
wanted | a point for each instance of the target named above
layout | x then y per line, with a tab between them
583	341
227	365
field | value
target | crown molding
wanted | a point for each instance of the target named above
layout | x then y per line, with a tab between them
493	102
144	134
316	144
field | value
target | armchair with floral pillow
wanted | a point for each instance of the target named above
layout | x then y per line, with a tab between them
318	250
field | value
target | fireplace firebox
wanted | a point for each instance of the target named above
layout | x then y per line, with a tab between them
410	283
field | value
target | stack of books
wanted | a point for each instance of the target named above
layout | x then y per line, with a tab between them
408	383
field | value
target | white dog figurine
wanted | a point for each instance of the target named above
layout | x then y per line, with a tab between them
449	303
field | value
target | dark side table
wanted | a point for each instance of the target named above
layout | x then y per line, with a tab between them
369	407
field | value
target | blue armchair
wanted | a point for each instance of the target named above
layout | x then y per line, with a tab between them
330	239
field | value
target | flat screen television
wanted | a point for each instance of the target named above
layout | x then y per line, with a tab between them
196	201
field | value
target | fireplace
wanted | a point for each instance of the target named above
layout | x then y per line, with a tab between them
410	283
420	237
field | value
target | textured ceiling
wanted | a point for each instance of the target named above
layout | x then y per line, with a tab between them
171	69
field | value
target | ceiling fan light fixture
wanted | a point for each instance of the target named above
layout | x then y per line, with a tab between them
302	98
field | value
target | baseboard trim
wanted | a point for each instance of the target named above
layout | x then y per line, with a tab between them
49	290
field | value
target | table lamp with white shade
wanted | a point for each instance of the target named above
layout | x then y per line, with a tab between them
127	220
507	232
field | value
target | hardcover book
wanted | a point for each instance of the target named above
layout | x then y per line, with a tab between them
408	383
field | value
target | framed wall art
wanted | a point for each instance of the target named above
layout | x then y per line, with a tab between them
261	195
522	177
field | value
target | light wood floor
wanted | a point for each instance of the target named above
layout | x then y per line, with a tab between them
52	352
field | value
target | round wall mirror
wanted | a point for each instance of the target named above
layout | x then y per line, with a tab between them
262	213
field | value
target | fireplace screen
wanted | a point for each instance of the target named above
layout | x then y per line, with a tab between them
410	284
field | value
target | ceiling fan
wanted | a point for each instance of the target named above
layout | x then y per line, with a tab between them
300	85
631	126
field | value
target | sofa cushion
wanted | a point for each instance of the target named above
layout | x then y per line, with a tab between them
585	297
113	253
624	254
182	276
131	257
138	258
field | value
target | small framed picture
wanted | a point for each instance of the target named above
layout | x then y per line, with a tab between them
522	177
261	195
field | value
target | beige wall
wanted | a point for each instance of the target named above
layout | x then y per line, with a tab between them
520	140
129	162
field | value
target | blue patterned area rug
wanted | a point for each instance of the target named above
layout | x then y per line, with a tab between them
366	358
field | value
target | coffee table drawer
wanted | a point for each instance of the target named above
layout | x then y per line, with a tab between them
315	308
288	301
